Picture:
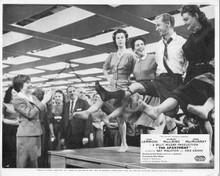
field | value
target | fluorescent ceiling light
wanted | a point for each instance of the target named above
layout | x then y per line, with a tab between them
20	60
58	88
104	83
114	5
59	19
8	75
208	10
49	23
37	79
5	66
55	76
89	71
74	80
6	83
27	71
46	84
14	37
91	59
56	66
88	79
103	76
81	85
57	50
107	37
59	82
4	88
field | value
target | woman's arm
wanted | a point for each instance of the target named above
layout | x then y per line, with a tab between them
20	105
10	122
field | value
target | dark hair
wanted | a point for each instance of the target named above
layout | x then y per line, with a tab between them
192	10
166	17
117	32
69	87
39	93
135	39
8	95
19	81
61	92
89	97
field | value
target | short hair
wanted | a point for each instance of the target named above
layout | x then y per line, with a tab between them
69	87
117	32
166	17
39	93
135	39
192	10
19	80
8	95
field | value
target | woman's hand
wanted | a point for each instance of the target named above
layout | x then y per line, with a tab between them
112	82
47	96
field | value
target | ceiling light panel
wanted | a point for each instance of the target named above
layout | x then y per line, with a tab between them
58	50
74	80
89	71
88	79
104	83
103	76
46	84
6	83
37	79
56	76
13	37
27	71
8	76
20	60
208	10
56	66
59	19
81	85
59	82
91	59
107	37
49	23
58	88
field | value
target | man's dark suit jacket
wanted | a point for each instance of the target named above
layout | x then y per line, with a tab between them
73	131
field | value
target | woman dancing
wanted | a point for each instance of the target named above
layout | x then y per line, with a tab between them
121	64
199	81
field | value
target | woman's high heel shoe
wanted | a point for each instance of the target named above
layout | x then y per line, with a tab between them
106	95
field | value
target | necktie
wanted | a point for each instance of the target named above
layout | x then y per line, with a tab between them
71	109
165	56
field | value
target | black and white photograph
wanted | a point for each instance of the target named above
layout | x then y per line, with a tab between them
110	87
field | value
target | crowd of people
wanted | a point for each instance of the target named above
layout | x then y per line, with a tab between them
172	93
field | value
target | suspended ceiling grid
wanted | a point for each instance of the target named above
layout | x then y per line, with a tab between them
59	45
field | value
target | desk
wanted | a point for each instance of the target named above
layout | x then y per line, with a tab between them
110	158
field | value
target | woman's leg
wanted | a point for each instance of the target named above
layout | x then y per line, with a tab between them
154	111
119	94
207	129
134	88
85	114
202	111
122	130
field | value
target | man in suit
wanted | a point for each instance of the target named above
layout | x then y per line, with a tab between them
75	132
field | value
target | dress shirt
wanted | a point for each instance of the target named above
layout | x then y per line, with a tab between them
72	106
176	61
